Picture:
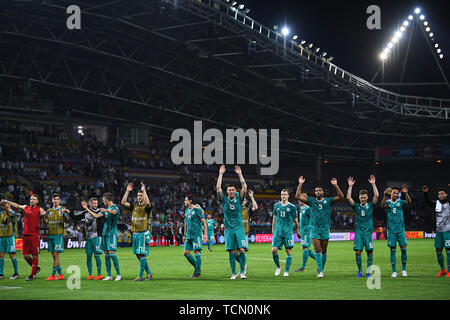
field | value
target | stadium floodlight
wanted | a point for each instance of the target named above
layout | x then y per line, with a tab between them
285	31
436	45
410	17
425	23
234	3
441	56
402	29
405	23
324	54
438	50
303	42
394	39
317	50
383	56
294	37
417	10
431	34
422	17
310	45
398	34
247	10
275	27
390	45
241	7
427	29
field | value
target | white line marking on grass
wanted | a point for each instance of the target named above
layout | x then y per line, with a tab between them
7	288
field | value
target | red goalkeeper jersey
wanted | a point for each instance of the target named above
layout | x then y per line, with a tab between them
31	220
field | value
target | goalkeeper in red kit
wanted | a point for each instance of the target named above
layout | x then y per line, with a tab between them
30	234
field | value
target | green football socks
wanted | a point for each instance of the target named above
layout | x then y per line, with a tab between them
359	262
288	262
276	259
393	260
232	258
198	263
404	258
242	261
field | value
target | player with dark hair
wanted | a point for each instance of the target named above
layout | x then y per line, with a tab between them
363	224
140	217
94	229
110	233
55	217
442	239
305	234
194	222
211	226
321	219
284	218
235	239
396	225
7	239
30	234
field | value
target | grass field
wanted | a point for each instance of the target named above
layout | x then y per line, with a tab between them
171	276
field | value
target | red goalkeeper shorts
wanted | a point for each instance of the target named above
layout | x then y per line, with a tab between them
30	244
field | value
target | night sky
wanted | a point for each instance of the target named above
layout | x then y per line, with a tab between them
339	27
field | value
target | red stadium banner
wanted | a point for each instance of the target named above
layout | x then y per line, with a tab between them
263	238
414	234
18	244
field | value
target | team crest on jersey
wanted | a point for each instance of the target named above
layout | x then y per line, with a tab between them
325	201
288	209
231	206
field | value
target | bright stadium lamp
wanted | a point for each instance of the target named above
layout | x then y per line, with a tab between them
234	3
247	10
436	45
417	10
425	23
441	56
275	27
303	42
394	39
294	37
383	56
317	50
310	45
422	17
431	34
285	31
241	7
427	29
398	34
402	29
438	50
410	17
405	23
390	45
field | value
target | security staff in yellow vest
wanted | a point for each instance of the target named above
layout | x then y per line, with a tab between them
141	214
7	239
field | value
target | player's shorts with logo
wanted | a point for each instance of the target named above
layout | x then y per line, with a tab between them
55	243
394	237
363	240
235	239
109	242
306	239
8	244
94	245
194	244
321	234
30	244
286	239
141	242
442	240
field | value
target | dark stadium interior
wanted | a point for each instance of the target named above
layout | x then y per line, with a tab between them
91	110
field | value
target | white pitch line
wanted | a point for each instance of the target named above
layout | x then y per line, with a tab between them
8	288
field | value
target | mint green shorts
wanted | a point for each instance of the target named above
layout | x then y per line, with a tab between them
141	242
8	244
94	246
55	243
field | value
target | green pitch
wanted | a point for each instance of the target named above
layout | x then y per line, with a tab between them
171	276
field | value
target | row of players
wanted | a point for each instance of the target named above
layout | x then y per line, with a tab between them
101	229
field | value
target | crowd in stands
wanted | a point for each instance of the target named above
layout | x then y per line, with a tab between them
86	167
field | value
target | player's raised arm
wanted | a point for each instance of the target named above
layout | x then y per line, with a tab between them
42	212
340	196
243	192
8	210
254	204
92	213
146	198
219	182
386	194
351	182
299	195
14	205
426	197
405	191
376	195
124	201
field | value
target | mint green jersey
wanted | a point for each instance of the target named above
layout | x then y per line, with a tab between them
210	223
284	218
232	212
305	220
320	213
194	225
110	224
394	212
364	223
